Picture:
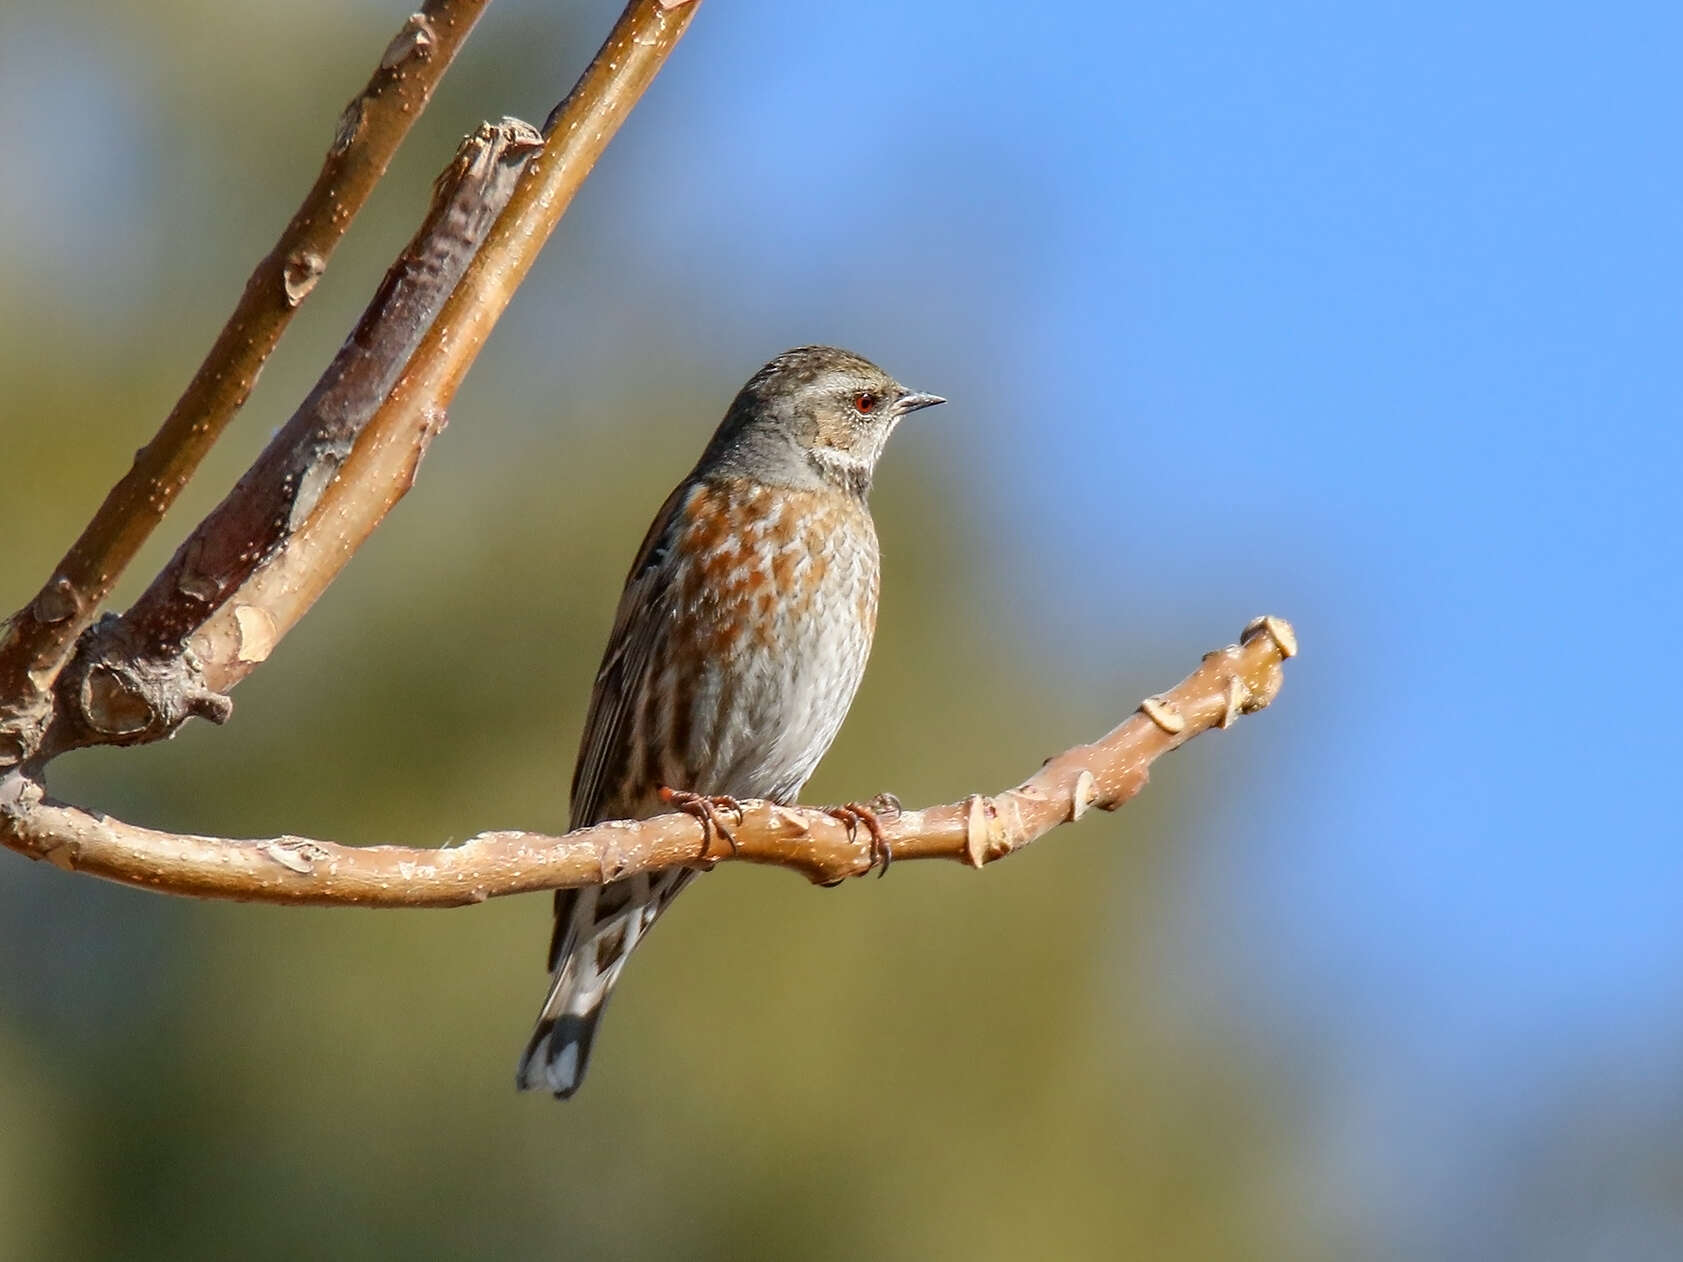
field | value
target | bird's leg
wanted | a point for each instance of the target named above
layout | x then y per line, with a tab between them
853	814
706	809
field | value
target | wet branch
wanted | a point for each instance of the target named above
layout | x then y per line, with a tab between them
1230	682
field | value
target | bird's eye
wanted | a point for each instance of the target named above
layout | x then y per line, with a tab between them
865	403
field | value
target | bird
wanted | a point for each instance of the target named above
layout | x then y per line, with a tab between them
737	646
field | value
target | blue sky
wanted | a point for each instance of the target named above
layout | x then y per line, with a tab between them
1376	310
1367	315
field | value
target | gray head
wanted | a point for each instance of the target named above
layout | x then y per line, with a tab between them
814	416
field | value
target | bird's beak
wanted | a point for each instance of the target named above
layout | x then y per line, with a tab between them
912	402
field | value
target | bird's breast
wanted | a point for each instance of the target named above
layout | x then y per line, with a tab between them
776	609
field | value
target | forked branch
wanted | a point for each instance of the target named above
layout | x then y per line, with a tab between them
1231	682
38	640
139	677
257	563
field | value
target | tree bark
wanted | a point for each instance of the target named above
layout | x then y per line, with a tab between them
1231	682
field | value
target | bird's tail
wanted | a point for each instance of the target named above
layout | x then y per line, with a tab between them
596	929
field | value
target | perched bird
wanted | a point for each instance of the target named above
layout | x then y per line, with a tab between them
739	642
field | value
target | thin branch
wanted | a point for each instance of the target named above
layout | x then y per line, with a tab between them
38	640
382	466
1231	682
132	679
577	133
255	566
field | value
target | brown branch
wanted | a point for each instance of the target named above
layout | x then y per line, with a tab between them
577	132
382	466
255	566
132	679
1233	681
38	640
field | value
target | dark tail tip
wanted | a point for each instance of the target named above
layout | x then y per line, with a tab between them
557	1054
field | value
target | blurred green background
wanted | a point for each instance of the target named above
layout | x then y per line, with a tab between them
939	1064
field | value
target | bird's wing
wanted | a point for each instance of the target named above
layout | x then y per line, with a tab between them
642	614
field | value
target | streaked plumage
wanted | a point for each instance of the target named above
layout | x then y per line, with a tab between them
739	642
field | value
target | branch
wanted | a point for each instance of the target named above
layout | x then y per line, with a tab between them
255	566
133	679
38	640
1237	680
382	466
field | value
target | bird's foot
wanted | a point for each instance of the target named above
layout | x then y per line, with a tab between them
853	814
705	808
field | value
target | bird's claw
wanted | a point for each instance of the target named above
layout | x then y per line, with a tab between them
853	814
706	808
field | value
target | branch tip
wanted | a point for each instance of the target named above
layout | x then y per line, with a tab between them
1281	631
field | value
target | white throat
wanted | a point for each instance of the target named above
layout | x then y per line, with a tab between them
844	468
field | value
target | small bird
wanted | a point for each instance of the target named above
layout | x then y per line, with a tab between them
738	644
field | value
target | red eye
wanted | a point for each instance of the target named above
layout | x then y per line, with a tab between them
865	403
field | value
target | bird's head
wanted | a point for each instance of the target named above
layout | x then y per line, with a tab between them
814	415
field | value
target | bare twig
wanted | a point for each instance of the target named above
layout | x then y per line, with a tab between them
1231	682
132	680
39	639
255	566
382	466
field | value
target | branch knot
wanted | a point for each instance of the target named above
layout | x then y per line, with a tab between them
116	693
